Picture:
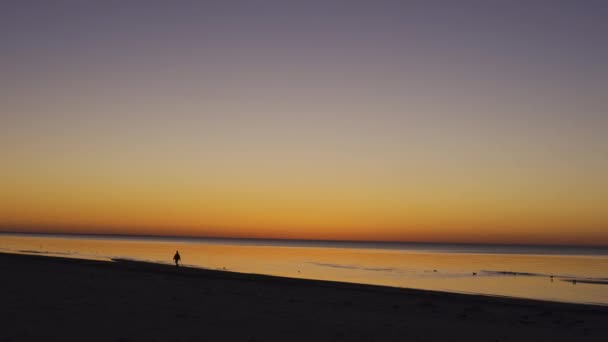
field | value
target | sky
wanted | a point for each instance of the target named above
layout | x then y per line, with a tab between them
441	121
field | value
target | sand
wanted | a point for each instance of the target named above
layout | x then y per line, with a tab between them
58	299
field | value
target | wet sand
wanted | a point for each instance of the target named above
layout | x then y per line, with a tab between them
57	299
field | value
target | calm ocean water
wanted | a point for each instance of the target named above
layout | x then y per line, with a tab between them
558	273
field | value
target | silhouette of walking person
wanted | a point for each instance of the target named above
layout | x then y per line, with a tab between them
177	258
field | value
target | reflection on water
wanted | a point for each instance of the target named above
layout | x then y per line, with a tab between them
550	277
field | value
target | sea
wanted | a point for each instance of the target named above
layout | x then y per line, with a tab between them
554	273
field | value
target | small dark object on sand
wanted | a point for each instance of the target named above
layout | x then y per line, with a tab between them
474	273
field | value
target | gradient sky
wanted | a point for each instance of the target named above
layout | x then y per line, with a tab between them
471	121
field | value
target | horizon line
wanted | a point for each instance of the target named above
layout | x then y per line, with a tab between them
127	235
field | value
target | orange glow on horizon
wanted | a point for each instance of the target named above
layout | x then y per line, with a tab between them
318	207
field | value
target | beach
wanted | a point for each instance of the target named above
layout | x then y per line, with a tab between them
62	299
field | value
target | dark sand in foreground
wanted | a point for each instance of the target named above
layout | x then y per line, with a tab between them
55	299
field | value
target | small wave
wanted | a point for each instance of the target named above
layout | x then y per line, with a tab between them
43	252
567	278
352	267
511	273
594	281
378	269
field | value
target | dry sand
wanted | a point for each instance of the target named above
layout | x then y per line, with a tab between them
55	299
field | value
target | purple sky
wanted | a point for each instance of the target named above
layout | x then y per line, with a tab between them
497	103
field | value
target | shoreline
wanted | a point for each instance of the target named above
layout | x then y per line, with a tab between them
194	268
67	299
191	268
